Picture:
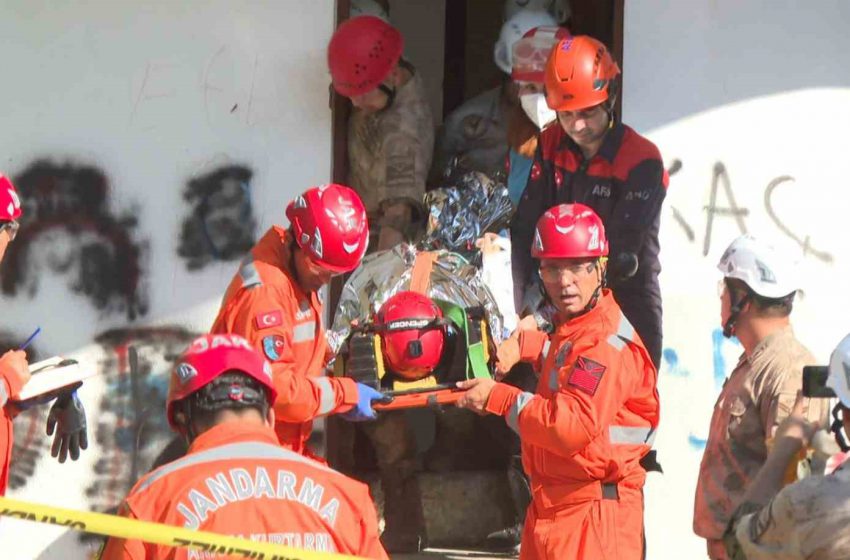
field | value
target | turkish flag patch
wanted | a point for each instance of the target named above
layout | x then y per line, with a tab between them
586	375
268	319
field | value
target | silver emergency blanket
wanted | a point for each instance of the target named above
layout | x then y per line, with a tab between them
469	205
382	275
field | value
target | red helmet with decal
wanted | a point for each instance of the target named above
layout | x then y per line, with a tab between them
361	54
10	203
329	223
579	74
413	335
569	231
207	358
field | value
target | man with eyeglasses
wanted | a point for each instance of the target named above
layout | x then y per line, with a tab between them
274	302
596	409
593	159
756	298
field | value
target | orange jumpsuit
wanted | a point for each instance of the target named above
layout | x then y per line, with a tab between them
583	435
10	385
265	305
236	480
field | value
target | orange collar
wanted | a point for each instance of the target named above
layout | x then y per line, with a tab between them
232	432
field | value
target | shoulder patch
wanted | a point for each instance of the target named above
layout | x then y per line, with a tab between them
586	375
268	319
273	347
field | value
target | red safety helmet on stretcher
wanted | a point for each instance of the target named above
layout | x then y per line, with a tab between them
412	334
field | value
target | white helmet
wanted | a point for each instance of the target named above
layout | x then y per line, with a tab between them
839	371
368	8
761	267
560	9
513	30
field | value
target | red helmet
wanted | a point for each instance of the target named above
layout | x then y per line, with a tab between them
412	336
361	54
208	357
579	74
569	231
329	223
10	204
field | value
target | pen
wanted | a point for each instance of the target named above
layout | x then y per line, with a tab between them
30	339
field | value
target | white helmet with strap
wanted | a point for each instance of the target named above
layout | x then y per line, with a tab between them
513	30
766	271
839	371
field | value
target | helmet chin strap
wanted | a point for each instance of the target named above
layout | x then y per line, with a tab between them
390	93
734	313
837	429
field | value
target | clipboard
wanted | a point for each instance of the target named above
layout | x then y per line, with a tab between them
52	374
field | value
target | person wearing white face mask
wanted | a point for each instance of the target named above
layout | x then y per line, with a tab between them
476	133
528	57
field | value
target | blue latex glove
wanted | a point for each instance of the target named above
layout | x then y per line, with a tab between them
363	410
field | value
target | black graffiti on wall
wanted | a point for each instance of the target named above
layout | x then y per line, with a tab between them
69	228
221	223
721	187
130	426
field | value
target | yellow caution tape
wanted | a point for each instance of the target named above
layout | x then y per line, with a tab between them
157	533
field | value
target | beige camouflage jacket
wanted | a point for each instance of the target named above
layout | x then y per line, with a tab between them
390	151
809	520
756	397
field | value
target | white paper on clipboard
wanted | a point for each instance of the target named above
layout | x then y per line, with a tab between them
49	375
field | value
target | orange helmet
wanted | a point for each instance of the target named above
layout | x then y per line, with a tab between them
579	74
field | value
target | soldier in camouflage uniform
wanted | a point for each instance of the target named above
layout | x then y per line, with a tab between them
757	294
390	144
809	519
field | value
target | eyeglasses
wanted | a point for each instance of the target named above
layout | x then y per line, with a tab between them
555	273
12	227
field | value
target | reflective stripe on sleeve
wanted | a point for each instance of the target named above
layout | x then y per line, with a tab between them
513	414
327	395
304	332
545	351
248	273
4	394
635	435
625	333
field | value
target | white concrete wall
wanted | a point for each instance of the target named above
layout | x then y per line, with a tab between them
153	93
761	87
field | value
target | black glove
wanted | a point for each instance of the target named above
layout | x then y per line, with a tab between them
69	414
622	267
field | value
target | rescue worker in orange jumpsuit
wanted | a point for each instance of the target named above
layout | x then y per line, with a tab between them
275	303
236	480
67	416
596	409
14	369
